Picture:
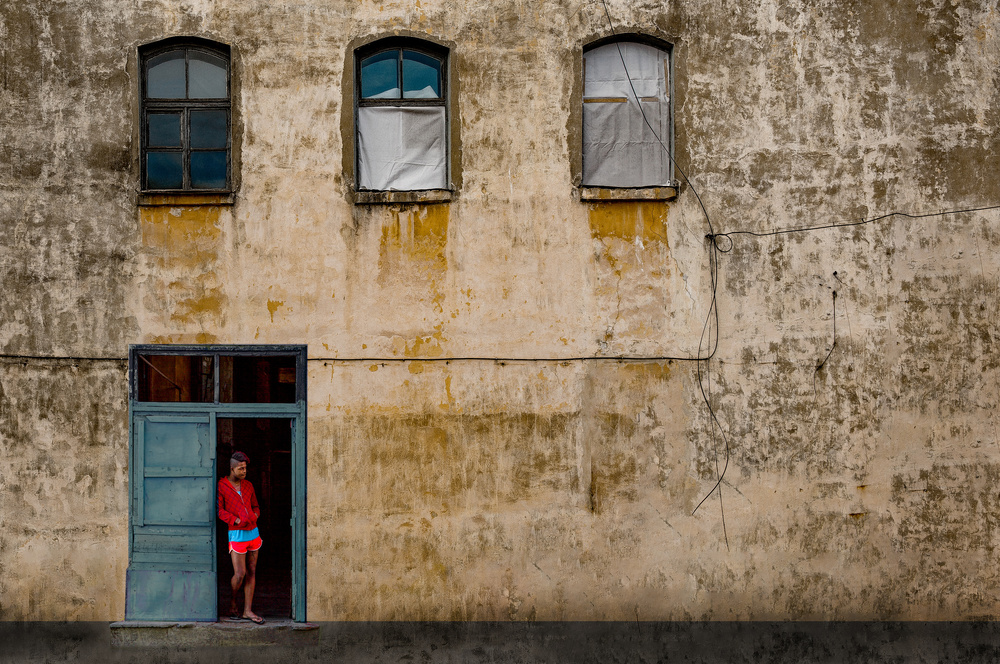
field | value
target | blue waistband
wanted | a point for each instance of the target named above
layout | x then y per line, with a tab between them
243	535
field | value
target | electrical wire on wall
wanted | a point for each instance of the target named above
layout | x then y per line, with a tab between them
711	319
845	224
718	244
21	358
722	243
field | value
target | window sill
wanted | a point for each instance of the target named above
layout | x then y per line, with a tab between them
185	199
390	197
637	194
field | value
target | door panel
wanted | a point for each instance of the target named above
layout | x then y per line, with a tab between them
177	500
146	542
171	573
165	594
173	440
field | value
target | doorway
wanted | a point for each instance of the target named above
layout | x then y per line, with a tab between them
191	408
268	444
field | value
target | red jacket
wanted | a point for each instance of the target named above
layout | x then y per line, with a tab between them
232	505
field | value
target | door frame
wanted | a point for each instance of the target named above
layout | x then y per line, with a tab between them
296	412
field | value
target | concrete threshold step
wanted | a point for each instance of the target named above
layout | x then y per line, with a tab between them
225	633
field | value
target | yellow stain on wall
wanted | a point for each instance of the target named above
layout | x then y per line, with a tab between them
413	254
633	270
651	370
192	338
420	233
429	346
182	245
430	224
447	391
628	220
181	236
423	345
206	304
272	306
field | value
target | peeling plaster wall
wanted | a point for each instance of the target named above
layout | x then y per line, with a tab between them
864	489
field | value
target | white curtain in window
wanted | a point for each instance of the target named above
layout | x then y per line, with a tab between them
619	148
402	149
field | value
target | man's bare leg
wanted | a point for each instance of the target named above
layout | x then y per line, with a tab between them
239	573
249	584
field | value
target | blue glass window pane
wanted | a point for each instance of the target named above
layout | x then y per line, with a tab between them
380	76
165	76
164	130
163	170
208	170
421	76
206	76
208	129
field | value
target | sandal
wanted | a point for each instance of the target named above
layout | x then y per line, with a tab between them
256	620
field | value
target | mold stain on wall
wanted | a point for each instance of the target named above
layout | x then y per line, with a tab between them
182	289
413	267
633	269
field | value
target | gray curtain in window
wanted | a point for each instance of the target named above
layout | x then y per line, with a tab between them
402	148
619	148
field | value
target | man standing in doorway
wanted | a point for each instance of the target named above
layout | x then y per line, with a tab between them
238	508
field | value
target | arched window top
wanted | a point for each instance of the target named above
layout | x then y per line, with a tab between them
401	68
414	43
614	69
197	69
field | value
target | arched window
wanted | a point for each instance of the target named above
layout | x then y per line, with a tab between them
402	116
186	117
626	115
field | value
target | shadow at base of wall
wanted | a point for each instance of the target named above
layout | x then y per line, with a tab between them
532	642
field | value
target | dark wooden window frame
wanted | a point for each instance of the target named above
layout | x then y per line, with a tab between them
400	44
185	106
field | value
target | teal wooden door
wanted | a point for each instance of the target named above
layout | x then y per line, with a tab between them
171	575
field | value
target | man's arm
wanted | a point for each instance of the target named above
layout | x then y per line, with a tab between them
230	518
254	506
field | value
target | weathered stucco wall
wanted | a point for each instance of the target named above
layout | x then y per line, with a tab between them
553	489
63	490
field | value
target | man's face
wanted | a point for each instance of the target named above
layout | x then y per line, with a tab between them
240	470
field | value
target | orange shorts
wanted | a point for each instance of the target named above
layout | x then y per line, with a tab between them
243	547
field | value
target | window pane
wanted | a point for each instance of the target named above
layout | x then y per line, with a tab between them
379	76
163	170
421	76
257	379
164	130
165	76
208	170
207	76
208	129
176	378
